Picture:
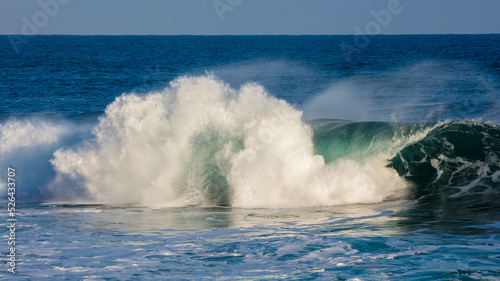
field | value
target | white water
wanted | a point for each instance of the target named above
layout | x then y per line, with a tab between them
201	142
27	146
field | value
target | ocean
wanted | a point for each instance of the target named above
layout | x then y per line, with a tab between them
250	157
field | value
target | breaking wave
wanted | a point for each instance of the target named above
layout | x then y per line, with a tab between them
201	142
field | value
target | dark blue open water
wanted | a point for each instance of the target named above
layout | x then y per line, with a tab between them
251	157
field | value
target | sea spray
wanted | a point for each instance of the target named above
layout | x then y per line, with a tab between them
425	91
200	142
28	145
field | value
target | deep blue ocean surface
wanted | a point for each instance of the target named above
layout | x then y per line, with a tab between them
250	157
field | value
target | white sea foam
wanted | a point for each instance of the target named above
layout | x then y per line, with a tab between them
201	142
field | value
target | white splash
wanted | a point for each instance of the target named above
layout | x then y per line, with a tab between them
201	142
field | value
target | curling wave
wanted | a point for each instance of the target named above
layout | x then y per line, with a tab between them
453	159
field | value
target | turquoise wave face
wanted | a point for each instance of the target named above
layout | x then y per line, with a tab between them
335	140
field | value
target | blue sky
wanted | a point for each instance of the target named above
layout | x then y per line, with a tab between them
214	17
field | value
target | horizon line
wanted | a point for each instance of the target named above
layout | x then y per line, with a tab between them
343	34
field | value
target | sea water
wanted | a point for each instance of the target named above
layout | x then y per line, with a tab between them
251	157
